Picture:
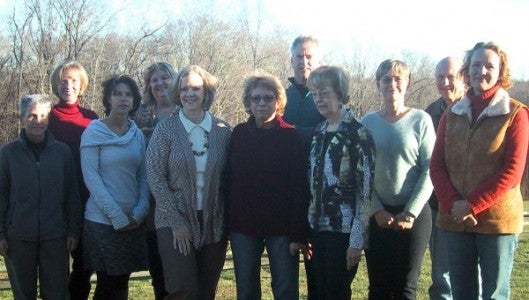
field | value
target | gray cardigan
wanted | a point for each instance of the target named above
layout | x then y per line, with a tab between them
171	173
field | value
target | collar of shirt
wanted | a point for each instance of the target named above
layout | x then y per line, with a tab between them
206	123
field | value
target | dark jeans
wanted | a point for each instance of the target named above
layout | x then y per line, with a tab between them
79	285
333	280
155	265
394	258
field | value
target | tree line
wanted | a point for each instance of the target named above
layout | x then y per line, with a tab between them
43	33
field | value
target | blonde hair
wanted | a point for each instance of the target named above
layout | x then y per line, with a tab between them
210	85
395	65
57	75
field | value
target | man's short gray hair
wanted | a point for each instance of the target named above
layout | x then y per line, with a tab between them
300	40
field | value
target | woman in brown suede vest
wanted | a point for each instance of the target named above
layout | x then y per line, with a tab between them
476	168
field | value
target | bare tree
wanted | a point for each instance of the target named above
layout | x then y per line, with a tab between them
81	20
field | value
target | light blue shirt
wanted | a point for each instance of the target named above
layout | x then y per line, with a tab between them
403	151
114	172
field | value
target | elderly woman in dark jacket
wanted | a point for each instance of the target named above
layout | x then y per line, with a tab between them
40	210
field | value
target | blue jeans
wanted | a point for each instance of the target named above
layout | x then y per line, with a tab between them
247	251
440	288
494	253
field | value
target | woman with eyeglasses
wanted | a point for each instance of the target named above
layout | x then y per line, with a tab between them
266	189
185	159
341	176
400	223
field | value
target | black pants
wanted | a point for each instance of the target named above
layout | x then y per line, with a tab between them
79	285
332	278
312	293
112	287
394	258
155	265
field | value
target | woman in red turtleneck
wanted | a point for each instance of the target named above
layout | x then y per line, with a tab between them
476	169
67	122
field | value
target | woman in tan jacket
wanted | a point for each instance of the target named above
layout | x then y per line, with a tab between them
476	168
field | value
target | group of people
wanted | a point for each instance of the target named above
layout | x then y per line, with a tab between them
160	183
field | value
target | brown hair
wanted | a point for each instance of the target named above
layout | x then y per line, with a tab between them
267	81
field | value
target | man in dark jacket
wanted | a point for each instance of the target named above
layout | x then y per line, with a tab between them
301	111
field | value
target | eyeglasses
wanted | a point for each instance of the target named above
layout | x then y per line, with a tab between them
322	94
265	98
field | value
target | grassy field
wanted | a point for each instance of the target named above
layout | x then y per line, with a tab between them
140	288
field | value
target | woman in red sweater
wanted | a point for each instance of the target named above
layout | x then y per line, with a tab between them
476	168
67	123
266	192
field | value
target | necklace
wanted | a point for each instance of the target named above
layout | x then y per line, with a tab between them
204	148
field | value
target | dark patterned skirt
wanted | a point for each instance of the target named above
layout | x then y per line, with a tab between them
111	251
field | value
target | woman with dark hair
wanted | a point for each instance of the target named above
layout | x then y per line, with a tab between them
477	166
185	159
113	163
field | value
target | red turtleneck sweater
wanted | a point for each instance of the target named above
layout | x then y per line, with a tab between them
67	123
